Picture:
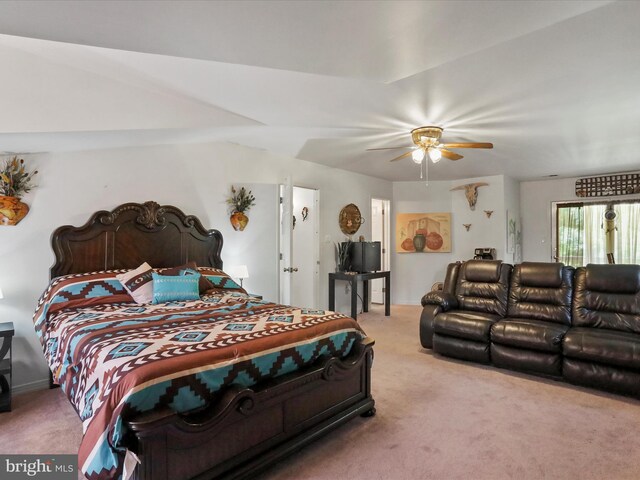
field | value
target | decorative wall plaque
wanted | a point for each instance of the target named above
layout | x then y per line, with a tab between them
608	185
350	219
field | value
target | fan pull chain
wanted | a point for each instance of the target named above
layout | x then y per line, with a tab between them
426	172
421	168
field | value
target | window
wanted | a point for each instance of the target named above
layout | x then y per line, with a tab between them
581	235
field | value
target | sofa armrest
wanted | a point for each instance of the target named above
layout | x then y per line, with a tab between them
446	301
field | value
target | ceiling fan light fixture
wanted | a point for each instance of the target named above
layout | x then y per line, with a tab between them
417	155
435	155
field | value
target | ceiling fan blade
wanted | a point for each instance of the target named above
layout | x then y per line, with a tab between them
389	148
467	145
450	155
401	156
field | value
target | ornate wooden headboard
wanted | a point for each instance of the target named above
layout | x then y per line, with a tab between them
131	234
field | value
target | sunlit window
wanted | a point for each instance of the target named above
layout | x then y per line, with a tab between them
582	230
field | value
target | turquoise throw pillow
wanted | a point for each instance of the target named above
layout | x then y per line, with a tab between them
180	288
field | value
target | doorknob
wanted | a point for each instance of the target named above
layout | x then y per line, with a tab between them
291	269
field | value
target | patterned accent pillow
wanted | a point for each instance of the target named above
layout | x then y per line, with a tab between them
220	279
181	288
139	283
204	284
223	281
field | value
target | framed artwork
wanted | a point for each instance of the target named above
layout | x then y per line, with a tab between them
423	232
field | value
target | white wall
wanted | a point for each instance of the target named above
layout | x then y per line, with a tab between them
196	179
537	197
413	274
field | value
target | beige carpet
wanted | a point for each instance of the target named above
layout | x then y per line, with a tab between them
437	419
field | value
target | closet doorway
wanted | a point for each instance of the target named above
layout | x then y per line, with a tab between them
299	246
380	225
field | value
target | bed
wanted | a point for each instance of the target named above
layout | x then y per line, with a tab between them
278	378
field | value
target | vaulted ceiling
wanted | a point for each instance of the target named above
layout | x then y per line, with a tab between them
553	84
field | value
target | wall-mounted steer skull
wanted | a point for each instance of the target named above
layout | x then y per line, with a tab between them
471	192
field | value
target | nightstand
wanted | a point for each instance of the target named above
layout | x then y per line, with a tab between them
259	297
6	333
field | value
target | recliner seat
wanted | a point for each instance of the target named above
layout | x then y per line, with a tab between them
463	327
530	337
602	349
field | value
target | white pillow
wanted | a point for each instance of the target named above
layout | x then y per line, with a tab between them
138	283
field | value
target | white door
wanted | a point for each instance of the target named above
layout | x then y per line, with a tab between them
299	246
380	233
286	241
305	254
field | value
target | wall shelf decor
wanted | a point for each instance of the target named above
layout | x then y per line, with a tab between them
608	185
467	226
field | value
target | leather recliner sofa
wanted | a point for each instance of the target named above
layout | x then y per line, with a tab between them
462	329
581	325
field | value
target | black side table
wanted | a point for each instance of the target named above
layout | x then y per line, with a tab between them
353	279
6	333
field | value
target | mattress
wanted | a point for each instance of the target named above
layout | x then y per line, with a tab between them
115	359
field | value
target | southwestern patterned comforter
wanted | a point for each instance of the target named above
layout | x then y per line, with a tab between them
115	359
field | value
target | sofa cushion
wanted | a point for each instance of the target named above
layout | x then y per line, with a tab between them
483	286
539	274
541	291
613	278
482	270
470	325
618	310
531	334
609	347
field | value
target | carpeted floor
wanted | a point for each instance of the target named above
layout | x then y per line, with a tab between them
437	419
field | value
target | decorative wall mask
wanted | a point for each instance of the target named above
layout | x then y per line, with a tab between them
350	219
488	213
471	192
305	213
294	221
467	226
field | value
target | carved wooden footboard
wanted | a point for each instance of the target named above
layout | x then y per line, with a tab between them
248	429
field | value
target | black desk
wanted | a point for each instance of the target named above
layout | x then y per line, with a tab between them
353	279
6	334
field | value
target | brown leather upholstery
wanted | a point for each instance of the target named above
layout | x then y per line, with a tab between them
583	324
481	294
603	348
436	302
483	286
539	315
598	305
530	296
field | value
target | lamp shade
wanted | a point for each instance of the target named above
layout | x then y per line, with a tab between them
1	296
238	271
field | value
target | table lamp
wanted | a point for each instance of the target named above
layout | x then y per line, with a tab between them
239	272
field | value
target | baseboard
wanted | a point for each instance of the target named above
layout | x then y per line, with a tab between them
31	386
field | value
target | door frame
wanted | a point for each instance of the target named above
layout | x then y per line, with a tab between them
282	276
385	254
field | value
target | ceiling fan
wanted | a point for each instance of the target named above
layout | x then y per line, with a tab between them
427	143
